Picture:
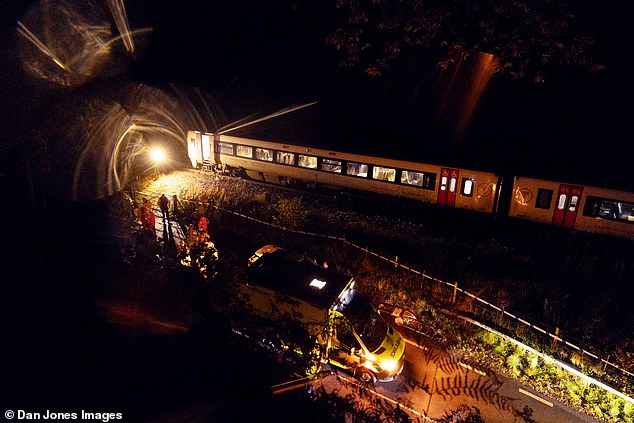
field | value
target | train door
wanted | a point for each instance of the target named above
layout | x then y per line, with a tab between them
567	205
448	186
206	145
193	147
216	149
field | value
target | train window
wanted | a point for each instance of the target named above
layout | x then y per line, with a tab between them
467	187
443	183
226	148
330	165
357	169
430	181
544	198
285	158
573	203
308	161
244	151
452	185
561	204
384	173
609	209
409	177
264	154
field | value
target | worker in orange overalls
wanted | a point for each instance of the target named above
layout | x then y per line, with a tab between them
203	223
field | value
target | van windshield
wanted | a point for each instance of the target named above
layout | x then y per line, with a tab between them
365	320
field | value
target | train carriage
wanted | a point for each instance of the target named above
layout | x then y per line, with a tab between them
585	208
580	207
283	163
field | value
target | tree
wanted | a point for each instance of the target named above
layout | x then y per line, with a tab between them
526	37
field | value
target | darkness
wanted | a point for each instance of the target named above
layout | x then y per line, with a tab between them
254	58
576	127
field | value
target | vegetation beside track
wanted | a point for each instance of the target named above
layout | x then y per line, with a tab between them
519	273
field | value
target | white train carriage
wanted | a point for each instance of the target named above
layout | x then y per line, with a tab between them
585	208
283	163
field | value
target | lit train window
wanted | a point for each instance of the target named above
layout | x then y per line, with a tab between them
429	181
384	173
452	185
308	161
443	183
226	148
544	198
285	158
244	151
562	202
425	180
412	178
610	209
264	154
467	187
357	169
330	165
573	203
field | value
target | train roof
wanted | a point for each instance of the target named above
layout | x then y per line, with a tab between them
298	276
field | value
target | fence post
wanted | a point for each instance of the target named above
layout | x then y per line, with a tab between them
455	291
396	261
555	337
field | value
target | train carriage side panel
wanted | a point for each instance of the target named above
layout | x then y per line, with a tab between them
532	199
476	190
606	211
417	181
322	167
585	208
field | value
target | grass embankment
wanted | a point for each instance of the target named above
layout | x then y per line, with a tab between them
552	276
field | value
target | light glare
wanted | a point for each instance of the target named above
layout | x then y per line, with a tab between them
157	155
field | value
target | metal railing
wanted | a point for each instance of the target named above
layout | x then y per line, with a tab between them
460	297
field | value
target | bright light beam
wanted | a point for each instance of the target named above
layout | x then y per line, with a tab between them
24	31
271	116
117	8
115	156
158	155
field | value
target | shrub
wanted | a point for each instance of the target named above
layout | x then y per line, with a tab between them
290	212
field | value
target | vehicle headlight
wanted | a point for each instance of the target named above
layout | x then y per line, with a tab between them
389	365
370	357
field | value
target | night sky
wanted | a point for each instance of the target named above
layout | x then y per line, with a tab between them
254	58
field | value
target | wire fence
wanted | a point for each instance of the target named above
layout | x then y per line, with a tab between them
451	294
463	300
